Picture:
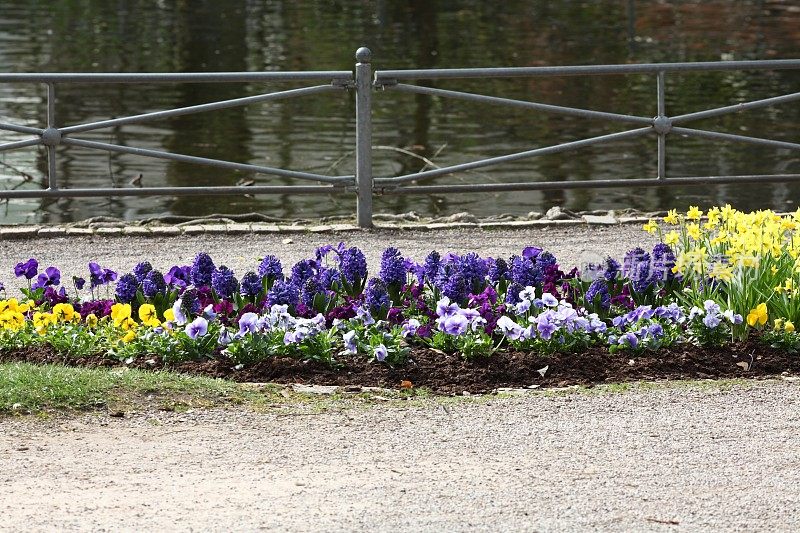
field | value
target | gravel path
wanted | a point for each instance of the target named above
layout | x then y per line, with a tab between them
679	459
572	245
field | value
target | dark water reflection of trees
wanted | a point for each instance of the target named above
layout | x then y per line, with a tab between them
316	133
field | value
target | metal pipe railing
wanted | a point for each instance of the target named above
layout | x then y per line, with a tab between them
364	184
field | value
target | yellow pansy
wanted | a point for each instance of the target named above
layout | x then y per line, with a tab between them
120	312
777	324
11	319
757	315
127	323
169	315
91	320
64	312
148	315
129	336
789	326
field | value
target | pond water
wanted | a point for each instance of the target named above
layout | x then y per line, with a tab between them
317	133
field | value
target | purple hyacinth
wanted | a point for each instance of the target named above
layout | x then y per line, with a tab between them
636	267
498	270
141	270
611	269
127	285
545	259
309	291
524	271
202	270
353	265
29	269
432	265
251	285
512	294
328	277
474	270
598	293
455	288
663	261
393	268
302	271
191	303
270	267
377	297
153	284
283	293
224	282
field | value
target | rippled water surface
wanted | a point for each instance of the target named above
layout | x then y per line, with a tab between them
317	133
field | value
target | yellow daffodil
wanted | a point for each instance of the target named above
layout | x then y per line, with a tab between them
694	213
694	231
672	217
651	226
777	324
672	238
757	315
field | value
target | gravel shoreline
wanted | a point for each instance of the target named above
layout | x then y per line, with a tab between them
573	244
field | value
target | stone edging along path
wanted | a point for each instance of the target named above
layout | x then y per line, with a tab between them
109	227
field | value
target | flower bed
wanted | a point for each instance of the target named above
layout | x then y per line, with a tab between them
715	298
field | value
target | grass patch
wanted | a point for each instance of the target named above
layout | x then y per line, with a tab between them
28	388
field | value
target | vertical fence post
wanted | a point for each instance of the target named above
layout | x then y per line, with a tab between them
364	137
662	126
51	137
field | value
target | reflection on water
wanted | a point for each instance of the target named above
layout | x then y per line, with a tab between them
317	133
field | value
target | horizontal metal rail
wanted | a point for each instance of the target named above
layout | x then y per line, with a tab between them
387	76
211	106
588	184
565	147
571	111
181	77
206	161
175	191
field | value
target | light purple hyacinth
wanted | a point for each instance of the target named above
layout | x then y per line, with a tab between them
381	352
349	339
197	328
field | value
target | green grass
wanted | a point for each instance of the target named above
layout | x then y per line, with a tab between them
27	388
32	388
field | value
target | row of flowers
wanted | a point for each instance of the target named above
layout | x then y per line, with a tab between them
714	278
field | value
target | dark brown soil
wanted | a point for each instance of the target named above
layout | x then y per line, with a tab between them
451	374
